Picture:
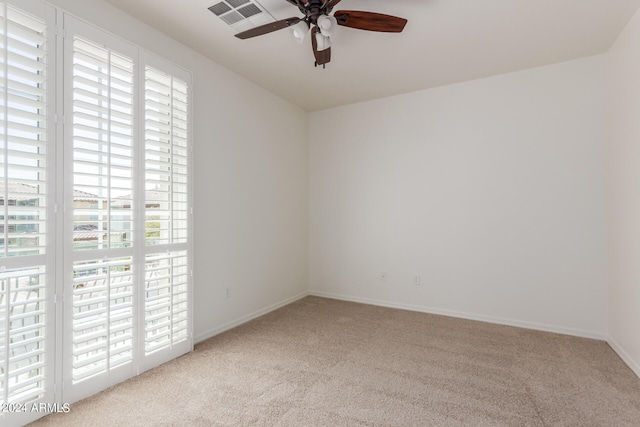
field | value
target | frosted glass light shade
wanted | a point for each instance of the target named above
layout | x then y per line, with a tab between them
323	42
326	24
299	30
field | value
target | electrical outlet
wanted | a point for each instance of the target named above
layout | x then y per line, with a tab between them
383	276
416	280
228	292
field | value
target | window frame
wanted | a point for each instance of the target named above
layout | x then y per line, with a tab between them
46	13
59	255
138	251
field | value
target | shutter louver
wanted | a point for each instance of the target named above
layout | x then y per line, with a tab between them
103	312
166	155
166	211
22	347
24	376
102	316
23	132
103	96
122	253
166	300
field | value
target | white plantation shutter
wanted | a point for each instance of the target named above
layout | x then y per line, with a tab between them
166	166
23	345
100	314
121	271
103	93
166	300
127	267
26	285
166	138
23	121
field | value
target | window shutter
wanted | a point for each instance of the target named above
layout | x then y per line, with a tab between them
126	260
166	300
102	316
25	340
102	147
23	147
122	201
166	156
23	336
166	211
100	257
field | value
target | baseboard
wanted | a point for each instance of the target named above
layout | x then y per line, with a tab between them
633	365
244	319
626	358
463	315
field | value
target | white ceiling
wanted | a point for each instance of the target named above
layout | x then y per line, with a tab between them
444	42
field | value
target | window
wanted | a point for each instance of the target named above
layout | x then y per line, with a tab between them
26	344
99	265
166	210
122	197
103	126
127	168
23	154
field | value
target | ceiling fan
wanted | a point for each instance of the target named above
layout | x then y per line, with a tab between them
318	21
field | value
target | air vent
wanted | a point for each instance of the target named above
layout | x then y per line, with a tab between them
220	8
249	10
241	15
232	18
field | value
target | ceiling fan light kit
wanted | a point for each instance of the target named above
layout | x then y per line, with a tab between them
299	31
327	24
318	20
323	42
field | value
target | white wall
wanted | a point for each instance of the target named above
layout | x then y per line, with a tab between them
624	163
250	180
493	191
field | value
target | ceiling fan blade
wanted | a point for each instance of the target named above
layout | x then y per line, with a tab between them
322	56
268	28
370	21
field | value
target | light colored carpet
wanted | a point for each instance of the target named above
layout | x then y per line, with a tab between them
321	362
